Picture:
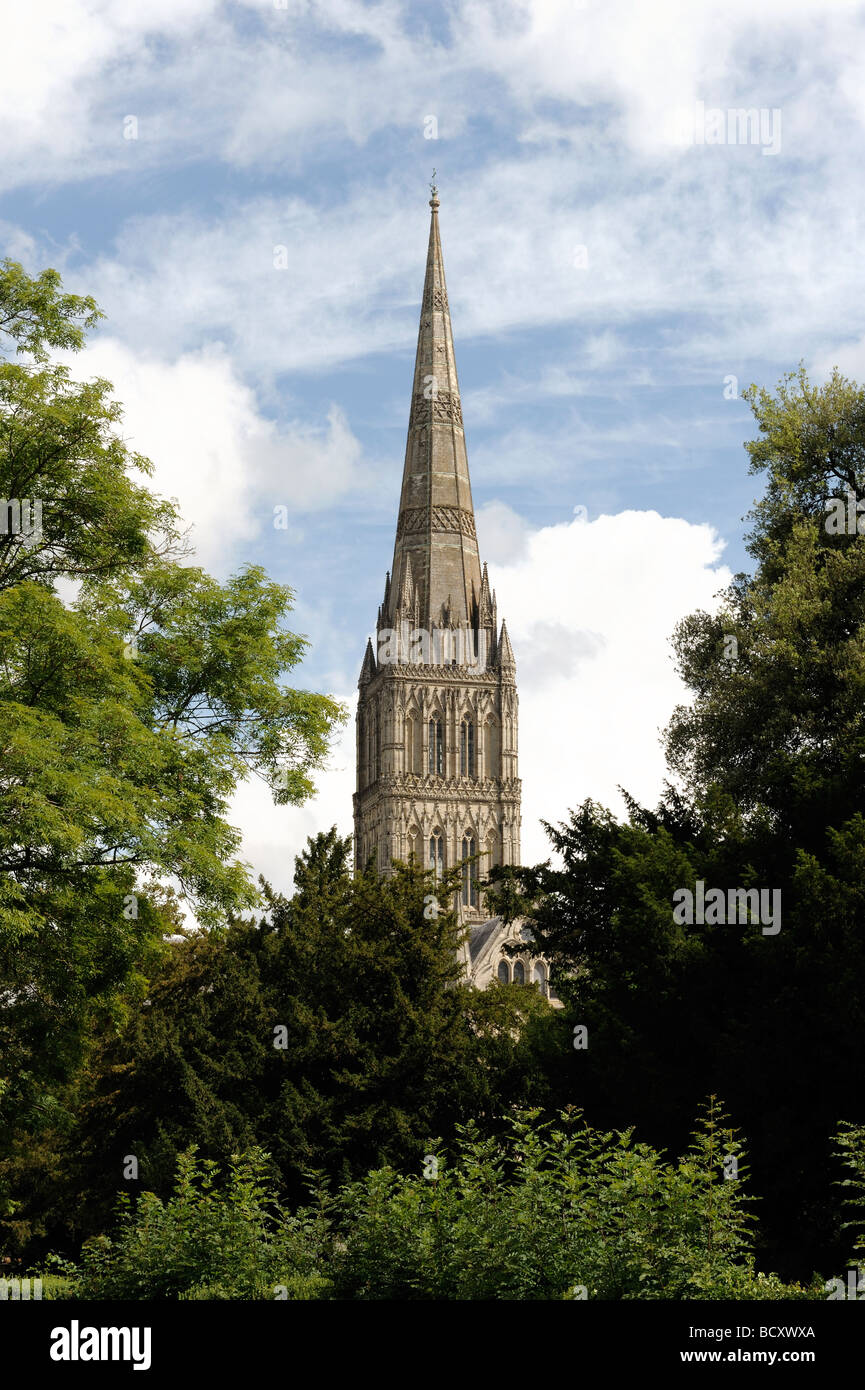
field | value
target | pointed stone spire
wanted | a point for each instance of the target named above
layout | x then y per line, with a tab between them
486	602
507	660
368	669
436	528
406	599
423	780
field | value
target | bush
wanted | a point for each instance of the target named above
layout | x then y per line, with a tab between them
205	1243
557	1211
554	1210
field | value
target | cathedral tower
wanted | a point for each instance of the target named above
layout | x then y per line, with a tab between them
437	711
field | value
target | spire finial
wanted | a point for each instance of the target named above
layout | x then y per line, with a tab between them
434	200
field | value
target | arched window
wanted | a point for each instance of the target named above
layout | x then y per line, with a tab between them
470	891
493	748
519	973
436	746
504	972
493	855
414	845
437	853
409	743
539	976
371	749
467	748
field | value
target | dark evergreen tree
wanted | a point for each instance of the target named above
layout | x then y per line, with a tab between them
769	793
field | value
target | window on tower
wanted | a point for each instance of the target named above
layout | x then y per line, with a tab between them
467	748
371	751
409	744
436	853
436	747
470	891
493	747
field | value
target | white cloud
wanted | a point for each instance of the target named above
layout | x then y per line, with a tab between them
642	60
503	533
735	268
255	84
590	611
67	71
212	449
274	835
759	254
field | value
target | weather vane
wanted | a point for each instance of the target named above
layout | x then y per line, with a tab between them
432	188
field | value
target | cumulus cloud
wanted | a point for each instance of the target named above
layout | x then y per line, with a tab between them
274	835
254	83
758	253
213	450
744	267
503	531
590	610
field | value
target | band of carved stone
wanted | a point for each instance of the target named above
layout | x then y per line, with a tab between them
444	408
418	519
439	301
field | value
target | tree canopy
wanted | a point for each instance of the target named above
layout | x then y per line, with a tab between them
766	792
135	692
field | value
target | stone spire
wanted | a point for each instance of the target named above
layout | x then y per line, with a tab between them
437	712
436	543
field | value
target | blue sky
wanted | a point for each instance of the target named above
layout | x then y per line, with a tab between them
608	273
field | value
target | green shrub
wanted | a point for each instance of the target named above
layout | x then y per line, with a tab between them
557	1211
57	1286
553	1210
205	1242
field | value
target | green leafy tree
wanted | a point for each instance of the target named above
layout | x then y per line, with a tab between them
336	1033
208	1241
131	703
850	1148
769	794
556	1210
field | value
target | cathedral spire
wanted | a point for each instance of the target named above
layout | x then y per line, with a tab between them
435	534
437	707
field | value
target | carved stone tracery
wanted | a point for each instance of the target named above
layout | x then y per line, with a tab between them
415	520
442	408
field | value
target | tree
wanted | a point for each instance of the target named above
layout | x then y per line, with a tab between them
128	713
336	1033
548	1210
769	795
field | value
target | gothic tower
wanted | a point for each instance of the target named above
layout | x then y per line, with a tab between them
437	709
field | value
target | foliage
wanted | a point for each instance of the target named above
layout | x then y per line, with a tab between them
550	1210
206	1242
556	1211
334	1033
769	793
850	1148
135	692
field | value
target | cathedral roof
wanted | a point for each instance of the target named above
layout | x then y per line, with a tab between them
436	540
